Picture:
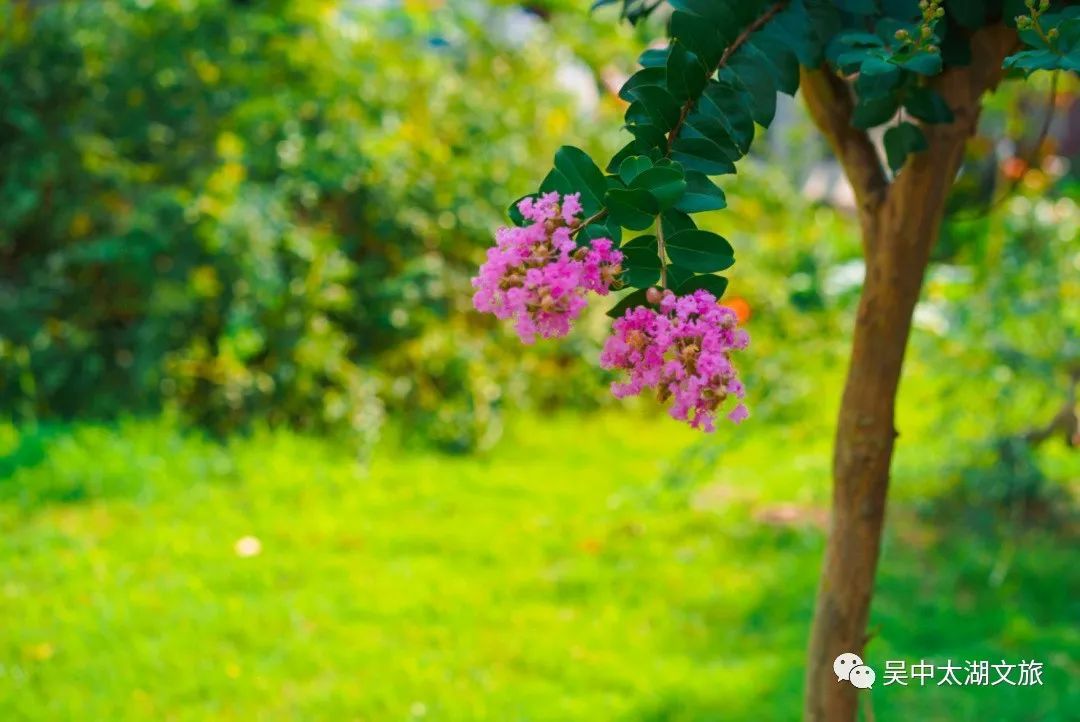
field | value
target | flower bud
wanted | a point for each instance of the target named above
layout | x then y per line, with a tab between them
653	295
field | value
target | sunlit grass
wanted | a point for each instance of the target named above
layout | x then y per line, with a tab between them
587	568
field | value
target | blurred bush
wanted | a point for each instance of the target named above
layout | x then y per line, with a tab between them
270	210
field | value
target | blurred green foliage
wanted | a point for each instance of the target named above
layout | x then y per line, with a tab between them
270	211
240	208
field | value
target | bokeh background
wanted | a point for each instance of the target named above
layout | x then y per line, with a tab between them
260	459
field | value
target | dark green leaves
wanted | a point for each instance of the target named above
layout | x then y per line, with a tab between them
632	166
921	62
700	251
686	74
701	195
677	276
651	188
632	208
583	176
928	106
641	262
877	77
702	39
758	81
606	228
902	140
1057	47
655	105
630	300
716	285
874	110
664	183
515	215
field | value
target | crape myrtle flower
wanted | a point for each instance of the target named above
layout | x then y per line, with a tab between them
682	349
537	276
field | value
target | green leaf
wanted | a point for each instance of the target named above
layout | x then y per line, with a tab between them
716	285
647	134
700	251
644	76
793	26
701	195
665	183
858	7
658	104
632	208
653	58
877	77
902	140
779	58
515	215
556	181
583	175
923	63
758	79
647	241
631	300
677	275
874	111
673	221
686	76
641	262
702	155
702	39
858	39
1031	60
702	125
607	228
632	166
716	12
727	101
928	106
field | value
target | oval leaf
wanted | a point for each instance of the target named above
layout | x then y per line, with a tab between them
664	183
701	195
632	208
631	300
716	285
700	251
583	176
631	167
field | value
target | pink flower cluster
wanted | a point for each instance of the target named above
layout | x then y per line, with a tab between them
684	352
538	276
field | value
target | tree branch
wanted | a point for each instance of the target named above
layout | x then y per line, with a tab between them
831	106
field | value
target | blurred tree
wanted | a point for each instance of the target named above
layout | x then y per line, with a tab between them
240	210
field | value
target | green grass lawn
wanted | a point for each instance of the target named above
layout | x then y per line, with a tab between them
588	568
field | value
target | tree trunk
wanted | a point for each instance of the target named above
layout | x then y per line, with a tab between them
900	222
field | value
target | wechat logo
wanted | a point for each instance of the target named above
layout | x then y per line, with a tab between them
850	667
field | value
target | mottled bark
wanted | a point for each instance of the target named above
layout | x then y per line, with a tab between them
899	222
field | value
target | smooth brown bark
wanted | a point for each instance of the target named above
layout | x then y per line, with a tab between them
900	222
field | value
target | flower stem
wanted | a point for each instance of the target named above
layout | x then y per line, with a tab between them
661	251
599	215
